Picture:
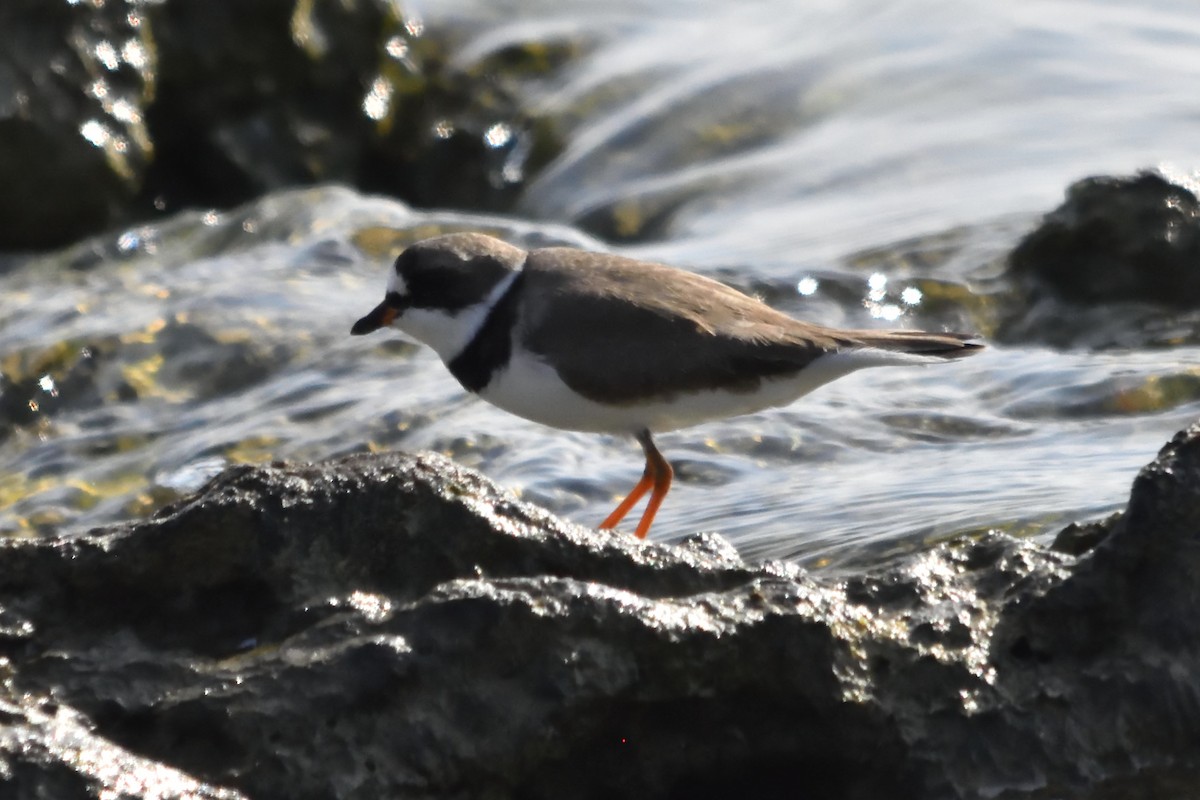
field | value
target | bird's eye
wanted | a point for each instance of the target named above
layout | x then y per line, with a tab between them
395	299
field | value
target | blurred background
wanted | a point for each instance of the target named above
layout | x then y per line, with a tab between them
197	200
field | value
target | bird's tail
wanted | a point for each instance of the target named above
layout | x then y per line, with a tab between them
927	345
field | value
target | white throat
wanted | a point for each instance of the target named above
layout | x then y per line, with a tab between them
448	334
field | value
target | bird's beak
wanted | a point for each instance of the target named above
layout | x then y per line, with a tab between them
380	317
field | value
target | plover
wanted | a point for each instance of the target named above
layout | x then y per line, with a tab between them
596	342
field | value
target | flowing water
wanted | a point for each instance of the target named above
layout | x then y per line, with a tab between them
857	163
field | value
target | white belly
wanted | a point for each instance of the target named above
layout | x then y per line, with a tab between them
531	389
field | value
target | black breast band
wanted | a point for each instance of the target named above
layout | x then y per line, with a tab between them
491	348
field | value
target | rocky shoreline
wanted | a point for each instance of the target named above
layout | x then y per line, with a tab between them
397	626
122	112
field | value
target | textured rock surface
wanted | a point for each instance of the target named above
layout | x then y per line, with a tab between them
49	751
1116	265
111	112
1118	239
394	626
74	82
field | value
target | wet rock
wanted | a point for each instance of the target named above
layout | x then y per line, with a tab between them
1117	240
1115	643
1080	537
1116	265
48	750
282	94
74	84
111	113
176	360
37	385
395	625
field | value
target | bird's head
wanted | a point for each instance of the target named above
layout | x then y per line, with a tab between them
440	290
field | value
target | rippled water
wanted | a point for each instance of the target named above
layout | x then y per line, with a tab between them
861	163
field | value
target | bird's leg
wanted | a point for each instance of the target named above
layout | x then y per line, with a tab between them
643	486
657	475
662	482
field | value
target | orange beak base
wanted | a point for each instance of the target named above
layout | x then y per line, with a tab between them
380	317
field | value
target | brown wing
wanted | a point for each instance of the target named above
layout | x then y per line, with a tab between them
618	329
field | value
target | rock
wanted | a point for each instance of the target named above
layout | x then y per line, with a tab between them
1117	265
1117	240
113	112
74	147
49	750
396	626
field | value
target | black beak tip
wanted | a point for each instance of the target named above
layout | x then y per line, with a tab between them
380	316
364	325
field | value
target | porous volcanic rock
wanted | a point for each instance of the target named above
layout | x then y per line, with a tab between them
396	626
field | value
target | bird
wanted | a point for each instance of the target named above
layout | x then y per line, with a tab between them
597	342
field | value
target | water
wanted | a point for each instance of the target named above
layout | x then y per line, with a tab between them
857	163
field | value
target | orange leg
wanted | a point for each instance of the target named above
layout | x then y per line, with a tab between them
662	484
658	474
618	514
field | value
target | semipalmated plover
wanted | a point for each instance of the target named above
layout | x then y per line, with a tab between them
595	342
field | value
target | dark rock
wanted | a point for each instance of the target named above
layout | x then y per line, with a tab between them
118	111
273	94
37	385
1117	265
395	626
1117	240
74	83
48	750
1080	537
1115	644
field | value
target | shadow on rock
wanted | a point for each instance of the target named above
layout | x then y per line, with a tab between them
395	625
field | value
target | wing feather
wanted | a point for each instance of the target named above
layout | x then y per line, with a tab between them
619	330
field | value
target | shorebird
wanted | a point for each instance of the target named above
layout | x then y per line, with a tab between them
589	341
